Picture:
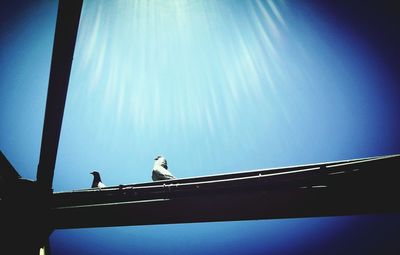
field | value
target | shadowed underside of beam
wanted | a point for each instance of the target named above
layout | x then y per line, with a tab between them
360	186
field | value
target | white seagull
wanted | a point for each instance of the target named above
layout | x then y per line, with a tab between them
97	180
160	171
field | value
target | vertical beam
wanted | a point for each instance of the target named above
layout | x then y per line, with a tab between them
69	12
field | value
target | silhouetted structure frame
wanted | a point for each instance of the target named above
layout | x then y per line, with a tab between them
31	211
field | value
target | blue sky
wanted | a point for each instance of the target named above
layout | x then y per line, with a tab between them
215	87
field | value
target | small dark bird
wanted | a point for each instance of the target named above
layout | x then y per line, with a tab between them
160	171
97	180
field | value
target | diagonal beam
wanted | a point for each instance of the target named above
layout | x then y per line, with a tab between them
7	171
63	50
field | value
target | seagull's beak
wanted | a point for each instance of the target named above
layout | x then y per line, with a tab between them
92	173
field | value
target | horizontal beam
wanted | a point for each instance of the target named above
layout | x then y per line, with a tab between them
339	188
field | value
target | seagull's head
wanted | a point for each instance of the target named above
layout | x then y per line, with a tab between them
95	173
158	157
160	161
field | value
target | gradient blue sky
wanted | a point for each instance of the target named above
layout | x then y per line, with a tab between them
216	87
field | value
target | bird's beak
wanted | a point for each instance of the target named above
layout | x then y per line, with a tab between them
92	173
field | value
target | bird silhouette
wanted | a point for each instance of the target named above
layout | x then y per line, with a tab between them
97	180
160	170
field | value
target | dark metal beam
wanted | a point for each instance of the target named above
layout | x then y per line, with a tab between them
25	204
347	188
7	171
69	12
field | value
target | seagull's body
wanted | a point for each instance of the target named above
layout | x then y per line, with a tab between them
97	180
160	170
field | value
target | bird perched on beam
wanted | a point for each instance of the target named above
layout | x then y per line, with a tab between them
97	180
160	170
